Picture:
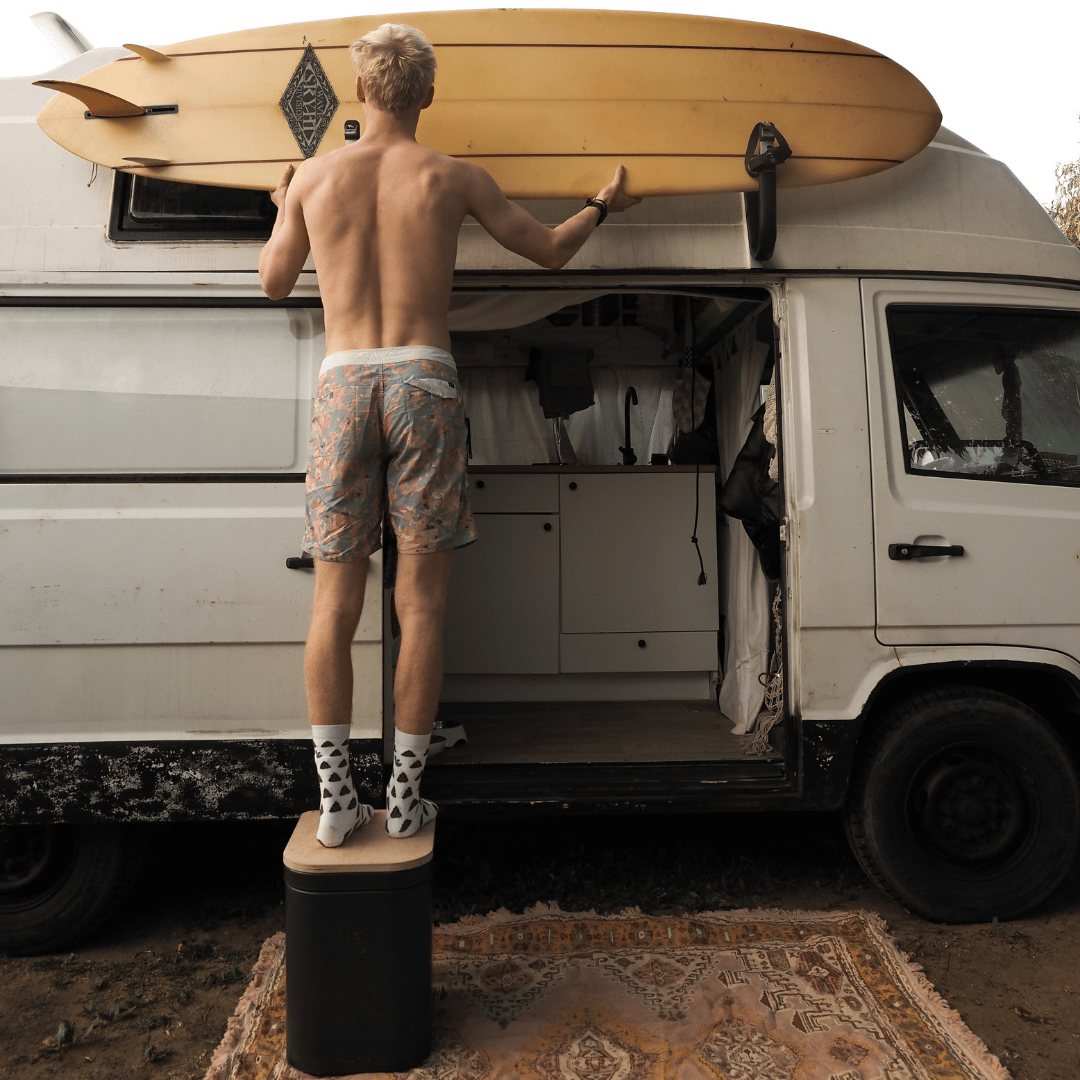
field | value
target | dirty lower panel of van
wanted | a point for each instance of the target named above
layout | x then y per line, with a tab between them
613	631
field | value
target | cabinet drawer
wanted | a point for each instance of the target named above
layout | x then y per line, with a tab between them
514	493
677	651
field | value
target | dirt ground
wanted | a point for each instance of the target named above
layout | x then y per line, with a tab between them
150	994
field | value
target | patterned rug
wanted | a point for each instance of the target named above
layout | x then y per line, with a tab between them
742	995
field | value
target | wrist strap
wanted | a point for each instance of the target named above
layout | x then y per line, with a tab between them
601	206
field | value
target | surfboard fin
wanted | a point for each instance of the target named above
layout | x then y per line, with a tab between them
152	55
97	102
149	162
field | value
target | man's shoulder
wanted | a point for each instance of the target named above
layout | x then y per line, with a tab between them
308	172
447	161
466	174
315	166
315	172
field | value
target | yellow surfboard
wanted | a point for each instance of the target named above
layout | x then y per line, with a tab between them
547	101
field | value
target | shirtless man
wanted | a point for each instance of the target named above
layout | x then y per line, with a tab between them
381	219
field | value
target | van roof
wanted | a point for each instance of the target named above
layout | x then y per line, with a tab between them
950	209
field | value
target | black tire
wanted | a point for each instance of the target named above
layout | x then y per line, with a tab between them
965	805
58	883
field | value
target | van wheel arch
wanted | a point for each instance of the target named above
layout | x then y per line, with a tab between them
964	804
1045	688
59	883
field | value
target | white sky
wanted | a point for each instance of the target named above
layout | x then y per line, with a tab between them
1008	82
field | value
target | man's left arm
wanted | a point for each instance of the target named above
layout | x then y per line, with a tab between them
284	255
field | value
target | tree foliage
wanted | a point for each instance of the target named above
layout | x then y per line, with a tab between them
1065	209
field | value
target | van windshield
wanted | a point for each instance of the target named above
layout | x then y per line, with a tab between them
990	393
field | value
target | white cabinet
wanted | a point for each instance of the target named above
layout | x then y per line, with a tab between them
627	561
631	598
586	572
502	612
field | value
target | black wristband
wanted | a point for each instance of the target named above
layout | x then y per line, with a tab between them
601	206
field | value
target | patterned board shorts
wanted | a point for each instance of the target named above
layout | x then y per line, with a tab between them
388	436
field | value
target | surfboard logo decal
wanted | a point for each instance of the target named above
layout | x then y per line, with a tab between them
309	103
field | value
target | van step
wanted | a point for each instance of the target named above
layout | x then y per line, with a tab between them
636	784
596	733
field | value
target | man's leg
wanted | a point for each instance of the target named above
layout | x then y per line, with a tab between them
420	602
328	674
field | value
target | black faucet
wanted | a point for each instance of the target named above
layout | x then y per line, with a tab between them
627	451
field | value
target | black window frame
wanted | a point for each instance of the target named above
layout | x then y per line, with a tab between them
973	307
124	229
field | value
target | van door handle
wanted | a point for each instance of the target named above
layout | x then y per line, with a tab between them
901	552
300	562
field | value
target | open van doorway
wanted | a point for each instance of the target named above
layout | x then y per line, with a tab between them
613	633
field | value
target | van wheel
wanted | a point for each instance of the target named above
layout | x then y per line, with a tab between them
58	883
965	806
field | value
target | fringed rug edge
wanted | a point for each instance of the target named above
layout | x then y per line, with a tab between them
246	1014
978	1053
471	923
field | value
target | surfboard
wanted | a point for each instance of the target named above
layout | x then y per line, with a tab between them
549	102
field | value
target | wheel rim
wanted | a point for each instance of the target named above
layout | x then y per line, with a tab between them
26	853
969	806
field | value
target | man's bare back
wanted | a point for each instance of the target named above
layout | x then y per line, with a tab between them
381	220
383	225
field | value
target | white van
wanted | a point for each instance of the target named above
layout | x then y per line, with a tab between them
900	639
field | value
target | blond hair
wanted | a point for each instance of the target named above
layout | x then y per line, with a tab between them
396	65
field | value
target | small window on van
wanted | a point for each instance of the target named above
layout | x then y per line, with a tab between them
988	393
145	208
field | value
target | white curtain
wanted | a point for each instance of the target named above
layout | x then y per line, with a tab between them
745	597
507	424
509	428
502	310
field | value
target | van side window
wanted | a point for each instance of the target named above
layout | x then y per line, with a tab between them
145	208
988	393
111	390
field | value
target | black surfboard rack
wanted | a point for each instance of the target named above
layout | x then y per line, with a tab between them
766	150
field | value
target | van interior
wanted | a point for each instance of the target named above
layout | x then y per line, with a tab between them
621	607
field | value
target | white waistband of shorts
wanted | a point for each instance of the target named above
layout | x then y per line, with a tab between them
396	354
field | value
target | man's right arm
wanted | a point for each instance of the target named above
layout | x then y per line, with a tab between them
284	255
518	231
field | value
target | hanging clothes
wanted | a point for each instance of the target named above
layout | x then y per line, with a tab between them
563	379
746	596
753	496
